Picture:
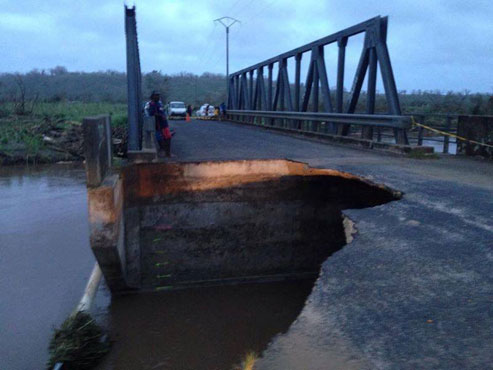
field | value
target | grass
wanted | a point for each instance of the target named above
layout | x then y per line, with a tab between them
14	128
19	134
416	154
70	111
78	343
23	134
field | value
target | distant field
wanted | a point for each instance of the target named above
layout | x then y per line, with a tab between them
71	111
77	111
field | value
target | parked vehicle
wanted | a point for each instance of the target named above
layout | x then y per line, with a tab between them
202	111
177	108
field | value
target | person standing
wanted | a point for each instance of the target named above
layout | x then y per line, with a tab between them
154	108
222	110
189	112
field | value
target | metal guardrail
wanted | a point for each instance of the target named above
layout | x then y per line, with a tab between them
442	131
444	122
379	120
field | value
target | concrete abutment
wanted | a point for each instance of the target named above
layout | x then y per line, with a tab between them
171	225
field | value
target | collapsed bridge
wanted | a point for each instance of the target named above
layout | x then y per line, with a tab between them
238	204
297	213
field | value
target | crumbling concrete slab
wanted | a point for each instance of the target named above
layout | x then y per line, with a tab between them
413	289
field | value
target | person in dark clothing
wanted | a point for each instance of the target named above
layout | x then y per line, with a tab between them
189	113
154	108
222	110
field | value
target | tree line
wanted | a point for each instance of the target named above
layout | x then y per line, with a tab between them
58	84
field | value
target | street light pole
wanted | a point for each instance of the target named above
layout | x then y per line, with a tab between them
227	22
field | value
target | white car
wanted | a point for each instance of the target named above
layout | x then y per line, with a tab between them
177	108
202	113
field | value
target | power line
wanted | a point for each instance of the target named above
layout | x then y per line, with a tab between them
206	53
230	10
211	49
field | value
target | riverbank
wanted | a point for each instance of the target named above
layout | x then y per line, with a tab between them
52	132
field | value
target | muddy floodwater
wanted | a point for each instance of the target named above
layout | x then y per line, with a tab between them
201	328
45	261
45	258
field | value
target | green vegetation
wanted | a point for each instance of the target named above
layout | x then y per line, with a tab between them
51	132
76	111
78	344
41	111
64	110
60	85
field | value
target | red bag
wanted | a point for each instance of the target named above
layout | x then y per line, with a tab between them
166	133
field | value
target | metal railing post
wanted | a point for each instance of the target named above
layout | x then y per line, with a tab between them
421	130
446	138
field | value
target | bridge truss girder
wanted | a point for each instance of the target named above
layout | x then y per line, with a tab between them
247	94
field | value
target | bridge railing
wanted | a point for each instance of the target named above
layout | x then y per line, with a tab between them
296	119
446	123
452	132
249	90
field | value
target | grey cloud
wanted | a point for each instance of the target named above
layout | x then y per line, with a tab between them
434	44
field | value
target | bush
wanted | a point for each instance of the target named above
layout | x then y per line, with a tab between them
119	120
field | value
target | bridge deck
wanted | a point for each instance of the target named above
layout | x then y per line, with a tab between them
414	288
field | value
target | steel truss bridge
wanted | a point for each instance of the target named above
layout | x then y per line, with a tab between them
265	94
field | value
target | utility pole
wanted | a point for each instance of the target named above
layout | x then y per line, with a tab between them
195	95
227	22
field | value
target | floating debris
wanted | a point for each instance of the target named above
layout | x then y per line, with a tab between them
78	344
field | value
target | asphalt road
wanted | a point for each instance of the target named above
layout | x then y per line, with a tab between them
414	290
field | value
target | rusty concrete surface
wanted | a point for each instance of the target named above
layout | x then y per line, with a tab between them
107	230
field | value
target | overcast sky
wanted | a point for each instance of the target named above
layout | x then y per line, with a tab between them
434	44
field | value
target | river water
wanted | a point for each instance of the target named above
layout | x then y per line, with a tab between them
45	259
210	328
